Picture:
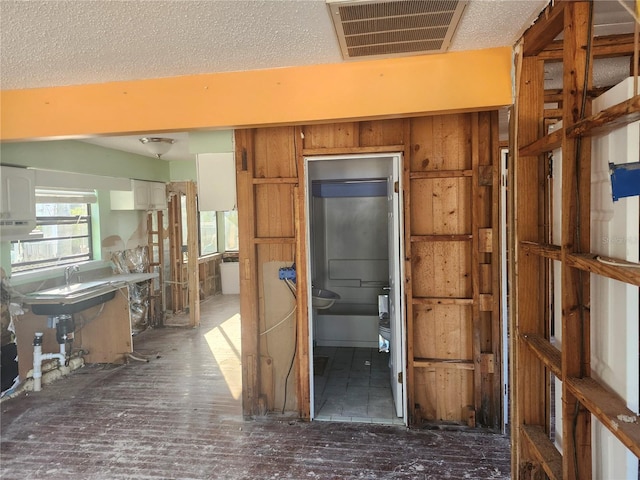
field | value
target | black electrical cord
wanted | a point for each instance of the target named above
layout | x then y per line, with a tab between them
295	349
293	357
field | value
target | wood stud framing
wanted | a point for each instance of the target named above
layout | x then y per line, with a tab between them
155	240
177	282
533	356
450	193
183	282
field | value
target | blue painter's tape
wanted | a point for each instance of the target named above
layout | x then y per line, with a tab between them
625	180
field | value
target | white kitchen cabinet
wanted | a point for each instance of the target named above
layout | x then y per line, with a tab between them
216	181
17	201
157	195
144	195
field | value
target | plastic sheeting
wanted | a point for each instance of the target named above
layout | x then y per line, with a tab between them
135	260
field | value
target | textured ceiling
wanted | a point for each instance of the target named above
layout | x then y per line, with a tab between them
53	43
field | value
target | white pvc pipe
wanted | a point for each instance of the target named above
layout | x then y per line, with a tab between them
39	357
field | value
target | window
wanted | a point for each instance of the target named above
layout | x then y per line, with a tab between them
231	231
209	224
208	233
65	224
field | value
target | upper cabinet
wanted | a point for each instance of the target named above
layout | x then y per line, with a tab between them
157	195
216	181
143	196
17	202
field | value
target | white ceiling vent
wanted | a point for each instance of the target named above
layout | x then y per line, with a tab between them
394	27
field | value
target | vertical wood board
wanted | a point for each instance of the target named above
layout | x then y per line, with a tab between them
274	153
576	194
193	277
274	211
441	143
441	206
381	133
443	332
443	393
441	269
331	135
248	272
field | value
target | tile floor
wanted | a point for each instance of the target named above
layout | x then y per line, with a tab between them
355	387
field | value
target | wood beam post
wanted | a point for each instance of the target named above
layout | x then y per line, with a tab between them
408	286
477	209
496	314
302	287
193	276
248	273
528	271
576	188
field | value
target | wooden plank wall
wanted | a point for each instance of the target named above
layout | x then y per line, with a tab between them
452	254
266	176
455	320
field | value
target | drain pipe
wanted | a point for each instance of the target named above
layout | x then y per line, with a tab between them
38	357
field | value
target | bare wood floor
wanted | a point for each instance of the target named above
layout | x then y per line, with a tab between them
179	417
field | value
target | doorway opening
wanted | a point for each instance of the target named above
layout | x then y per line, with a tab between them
356	310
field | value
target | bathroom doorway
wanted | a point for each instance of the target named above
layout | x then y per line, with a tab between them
356	313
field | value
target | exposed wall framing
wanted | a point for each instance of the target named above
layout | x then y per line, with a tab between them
534	358
451	175
156	237
181	281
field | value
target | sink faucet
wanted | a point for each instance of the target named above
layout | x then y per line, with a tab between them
68	272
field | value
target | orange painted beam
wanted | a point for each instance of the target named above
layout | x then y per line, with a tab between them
456	81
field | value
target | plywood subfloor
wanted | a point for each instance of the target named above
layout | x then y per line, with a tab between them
179	417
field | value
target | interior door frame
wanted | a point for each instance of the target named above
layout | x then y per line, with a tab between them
396	231
396	168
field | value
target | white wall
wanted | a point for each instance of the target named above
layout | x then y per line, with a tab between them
614	305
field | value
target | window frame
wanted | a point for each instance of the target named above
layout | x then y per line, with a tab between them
39	265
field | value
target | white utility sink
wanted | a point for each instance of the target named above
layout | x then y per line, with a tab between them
322	299
69	299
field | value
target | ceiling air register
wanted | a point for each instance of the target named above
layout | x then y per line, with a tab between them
394	27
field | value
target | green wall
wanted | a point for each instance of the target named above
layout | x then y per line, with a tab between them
80	157
182	171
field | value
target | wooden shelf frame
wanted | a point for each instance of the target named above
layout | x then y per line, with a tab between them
543	450
614	268
533	355
609	409
607	120
603	122
545	144
545	351
603	47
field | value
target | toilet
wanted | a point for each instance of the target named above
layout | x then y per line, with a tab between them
384	324
384	329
